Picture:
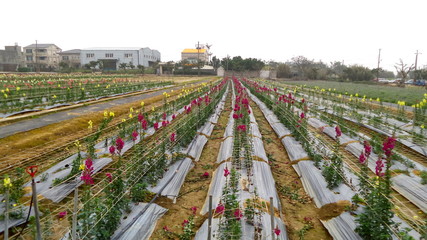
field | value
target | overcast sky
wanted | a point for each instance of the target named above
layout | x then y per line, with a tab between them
330	30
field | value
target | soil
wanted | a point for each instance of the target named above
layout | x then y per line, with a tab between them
294	211
195	188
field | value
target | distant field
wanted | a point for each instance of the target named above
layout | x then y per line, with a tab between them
409	94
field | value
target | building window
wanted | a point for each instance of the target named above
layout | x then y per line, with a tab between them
29	58
65	58
90	55
41	50
128	55
108	55
29	50
43	58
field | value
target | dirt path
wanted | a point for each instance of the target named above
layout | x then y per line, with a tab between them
297	206
195	188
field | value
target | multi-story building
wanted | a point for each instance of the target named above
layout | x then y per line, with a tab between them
112	58
11	58
43	57
71	58
192	55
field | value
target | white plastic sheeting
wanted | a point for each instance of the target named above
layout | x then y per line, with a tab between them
316	123
229	130
280	130
264	182
202	233
173	179
15	221
343	139
59	192
144	226
226	150
216	187
315	185
254	130
196	147
342	227
258	149
412	189
294	149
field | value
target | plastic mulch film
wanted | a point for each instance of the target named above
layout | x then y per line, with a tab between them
216	186
173	179
271	118
206	129
315	185
196	147
412	189
144	226
59	192
254	130
356	149
280	129
419	149
294	149
226	149
202	233
258	149
342	227
264	182
344	139
20	210
229	130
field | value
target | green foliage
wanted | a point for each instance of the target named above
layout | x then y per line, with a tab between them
423	176
333	171
358	73
139	192
239	64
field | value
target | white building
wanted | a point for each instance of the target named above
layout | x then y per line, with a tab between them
113	57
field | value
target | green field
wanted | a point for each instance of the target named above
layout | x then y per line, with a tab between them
410	94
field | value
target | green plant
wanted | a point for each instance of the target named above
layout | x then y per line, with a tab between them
139	192
423	176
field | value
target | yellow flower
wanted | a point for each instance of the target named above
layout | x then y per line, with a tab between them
131	110
356	95
5	95
142	104
90	124
130	115
59	85
54	96
7	183
77	143
82	167
422	126
17	88
378	99
105	114
111	114
83	88
24	95
415	217
123	120
153	109
15	205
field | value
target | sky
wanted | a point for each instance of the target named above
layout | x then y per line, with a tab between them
329	30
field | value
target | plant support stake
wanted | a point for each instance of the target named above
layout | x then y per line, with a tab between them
6	215
210	218
75	209
32	170
272	217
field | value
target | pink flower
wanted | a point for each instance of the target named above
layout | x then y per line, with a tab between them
134	135
205	175
379	167
226	172
307	219
302	115
194	210
112	150
338	131
302	100
144	124
87	172
109	176
388	146
172	137
277	231
238	214
249	111
164	116
166	229
173	117
188	110
241	128
140	117
165	123
156	126
235	116
61	215
362	158
184	223
220	209
368	148
120	144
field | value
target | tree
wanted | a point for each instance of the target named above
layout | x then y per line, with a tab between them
63	65
302	64
216	63
358	73
123	66
403	71
141	68
130	64
284	71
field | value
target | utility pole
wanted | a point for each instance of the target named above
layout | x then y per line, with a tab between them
37	65
198	58
378	66
415	68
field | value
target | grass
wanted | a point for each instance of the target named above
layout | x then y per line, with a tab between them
410	94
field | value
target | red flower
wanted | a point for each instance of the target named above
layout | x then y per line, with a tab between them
220	209
112	150
164	116
205	175
235	116
144	124
166	229
368	149
379	167
120	144
388	146
194	210
362	158
173	117
338	131
87	172
302	115
140	117
241	128
277	231
238	214
172	137
156	126
184	223
109	176
134	135
302	100
226	172
61	215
